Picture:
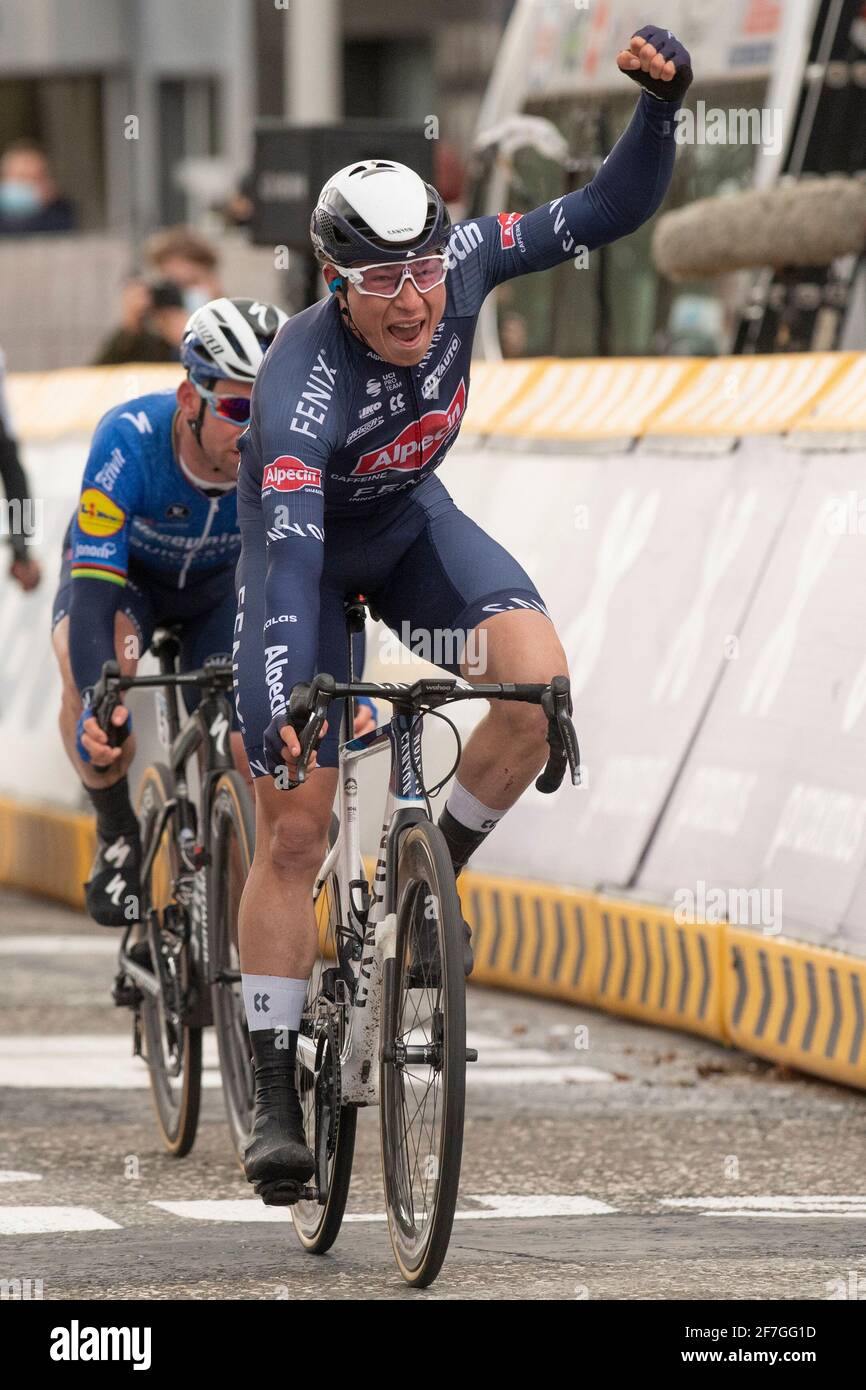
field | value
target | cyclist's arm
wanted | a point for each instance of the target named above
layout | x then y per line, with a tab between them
100	549
14	485
293	508
625	192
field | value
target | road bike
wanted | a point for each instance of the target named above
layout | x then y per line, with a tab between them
384	1020
178	965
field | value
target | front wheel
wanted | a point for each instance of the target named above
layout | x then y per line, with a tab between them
328	1124
172	1046
423	1057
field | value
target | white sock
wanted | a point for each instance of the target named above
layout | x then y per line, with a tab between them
470	812
273	1001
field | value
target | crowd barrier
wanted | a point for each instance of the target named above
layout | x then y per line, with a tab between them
697	531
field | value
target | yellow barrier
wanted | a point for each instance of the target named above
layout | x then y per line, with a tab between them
542	398
786	1000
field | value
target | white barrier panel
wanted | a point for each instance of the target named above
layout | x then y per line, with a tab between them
733	584
773	797
33	765
646	565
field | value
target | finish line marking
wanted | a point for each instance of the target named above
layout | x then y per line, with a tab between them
492	1207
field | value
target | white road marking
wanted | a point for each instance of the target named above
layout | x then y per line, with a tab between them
29	1221
10	1175
532	1076
506	1207
493	1207
228	1209
33	945
798	1207
104	1061
84	1061
501	1062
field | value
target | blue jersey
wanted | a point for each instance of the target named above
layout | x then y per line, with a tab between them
142	528
137	505
336	432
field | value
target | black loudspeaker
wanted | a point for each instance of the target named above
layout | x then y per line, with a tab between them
293	162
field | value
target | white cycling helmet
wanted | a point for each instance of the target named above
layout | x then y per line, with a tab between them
377	209
228	338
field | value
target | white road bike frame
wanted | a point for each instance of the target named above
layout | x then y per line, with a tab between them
359	1060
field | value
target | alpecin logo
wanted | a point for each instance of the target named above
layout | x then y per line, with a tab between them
419	442
288	474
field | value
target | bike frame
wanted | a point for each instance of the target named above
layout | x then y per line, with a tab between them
207	728
405	805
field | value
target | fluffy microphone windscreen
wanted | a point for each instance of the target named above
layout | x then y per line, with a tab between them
807	223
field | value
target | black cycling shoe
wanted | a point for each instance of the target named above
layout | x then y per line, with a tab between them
113	892
277	1160
424	971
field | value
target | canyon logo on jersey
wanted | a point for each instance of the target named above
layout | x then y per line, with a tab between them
288	474
419	442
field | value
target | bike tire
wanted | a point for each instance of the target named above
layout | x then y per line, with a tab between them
423	867
175	1088
232	843
317	1225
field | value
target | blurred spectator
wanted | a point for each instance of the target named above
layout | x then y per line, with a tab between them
152	322
181	255
30	201
238	211
513	336
24	568
153	312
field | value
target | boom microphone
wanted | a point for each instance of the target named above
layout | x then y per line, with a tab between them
811	222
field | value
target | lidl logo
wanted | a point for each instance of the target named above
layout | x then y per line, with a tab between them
98	515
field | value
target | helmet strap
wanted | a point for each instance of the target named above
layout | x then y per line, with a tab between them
196	424
343	304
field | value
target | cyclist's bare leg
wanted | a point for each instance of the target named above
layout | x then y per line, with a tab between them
277	921
125	642
508	748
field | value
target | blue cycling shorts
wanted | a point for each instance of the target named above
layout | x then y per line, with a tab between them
204	609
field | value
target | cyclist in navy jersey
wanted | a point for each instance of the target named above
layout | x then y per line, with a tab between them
354	410
154	540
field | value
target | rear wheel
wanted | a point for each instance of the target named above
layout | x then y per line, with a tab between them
423	1066
171	1046
232	841
328	1124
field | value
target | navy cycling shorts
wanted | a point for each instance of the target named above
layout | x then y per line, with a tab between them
204	609
423	564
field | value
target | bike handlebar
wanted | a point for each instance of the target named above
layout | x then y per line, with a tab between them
111	684
308	708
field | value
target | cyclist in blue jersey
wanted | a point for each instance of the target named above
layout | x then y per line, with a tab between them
354	410
154	540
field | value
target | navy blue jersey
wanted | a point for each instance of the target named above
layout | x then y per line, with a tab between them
337	432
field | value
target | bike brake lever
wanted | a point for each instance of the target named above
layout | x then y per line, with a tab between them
104	701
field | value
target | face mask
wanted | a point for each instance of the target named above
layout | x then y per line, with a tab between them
195	297
18	199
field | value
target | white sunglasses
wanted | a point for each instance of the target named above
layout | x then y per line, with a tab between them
385	278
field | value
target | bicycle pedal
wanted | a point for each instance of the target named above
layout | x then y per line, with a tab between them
284	1192
472	1054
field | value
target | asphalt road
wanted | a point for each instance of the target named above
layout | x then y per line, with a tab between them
643	1165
